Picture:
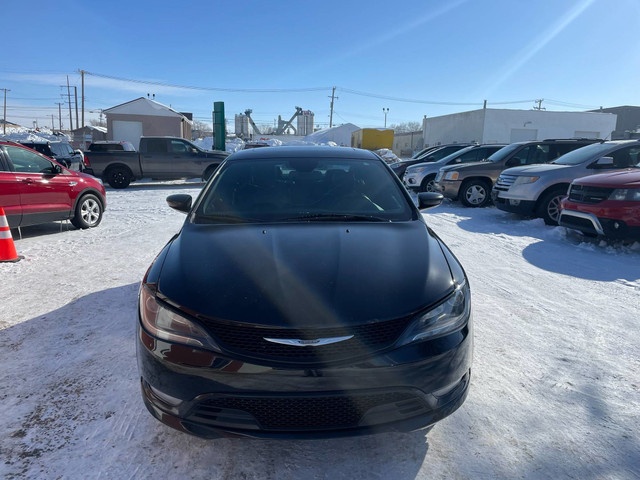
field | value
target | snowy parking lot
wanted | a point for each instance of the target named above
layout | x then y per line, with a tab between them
555	385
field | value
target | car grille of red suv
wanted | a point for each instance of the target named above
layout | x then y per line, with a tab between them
250	341
586	194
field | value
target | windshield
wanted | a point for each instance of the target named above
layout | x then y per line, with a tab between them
303	189
503	153
582	154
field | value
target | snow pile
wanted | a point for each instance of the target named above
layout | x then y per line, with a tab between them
340	135
21	134
387	155
231	145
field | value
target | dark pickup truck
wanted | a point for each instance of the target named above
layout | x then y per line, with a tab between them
162	158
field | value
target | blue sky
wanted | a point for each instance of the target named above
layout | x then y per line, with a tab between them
575	54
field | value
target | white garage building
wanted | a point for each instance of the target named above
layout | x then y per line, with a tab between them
143	116
493	125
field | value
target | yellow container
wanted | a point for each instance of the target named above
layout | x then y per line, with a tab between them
372	138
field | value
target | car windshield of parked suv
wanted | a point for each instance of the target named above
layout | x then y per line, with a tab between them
303	189
503	153
582	154
455	154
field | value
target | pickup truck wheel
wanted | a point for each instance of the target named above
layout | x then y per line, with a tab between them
549	207
475	193
88	212
428	184
118	177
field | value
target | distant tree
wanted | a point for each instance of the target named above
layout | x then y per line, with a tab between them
98	123
406	127
201	129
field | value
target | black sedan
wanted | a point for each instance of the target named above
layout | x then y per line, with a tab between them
304	297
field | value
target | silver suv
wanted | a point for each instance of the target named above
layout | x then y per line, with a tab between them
537	190
421	177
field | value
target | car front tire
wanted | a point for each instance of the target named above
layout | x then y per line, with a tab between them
88	212
475	193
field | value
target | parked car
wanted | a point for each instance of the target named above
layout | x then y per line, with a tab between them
606	204
421	177
111	146
164	158
471	183
36	189
304	296
537	190
61	152
431	154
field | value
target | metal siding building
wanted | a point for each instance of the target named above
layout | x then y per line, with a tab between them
507	126
143	116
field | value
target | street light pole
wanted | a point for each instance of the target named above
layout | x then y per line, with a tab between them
385	111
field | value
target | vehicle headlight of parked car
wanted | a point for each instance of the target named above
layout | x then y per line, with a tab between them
167	324
451	176
449	316
625	194
522	180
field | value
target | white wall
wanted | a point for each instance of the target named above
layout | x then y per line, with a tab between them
500	124
506	126
454	128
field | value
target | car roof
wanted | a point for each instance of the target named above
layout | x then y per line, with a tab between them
304	151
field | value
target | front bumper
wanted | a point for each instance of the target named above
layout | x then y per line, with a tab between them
211	395
525	208
412	181
612	219
449	188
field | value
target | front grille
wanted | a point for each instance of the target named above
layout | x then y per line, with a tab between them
504	182
249	340
586	194
320	412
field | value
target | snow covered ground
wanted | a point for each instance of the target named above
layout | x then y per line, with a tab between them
555	387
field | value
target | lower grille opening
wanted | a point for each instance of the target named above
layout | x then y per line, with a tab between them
308	413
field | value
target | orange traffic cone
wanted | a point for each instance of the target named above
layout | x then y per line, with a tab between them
7	248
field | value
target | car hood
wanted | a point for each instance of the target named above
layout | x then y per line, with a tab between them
619	179
535	169
305	275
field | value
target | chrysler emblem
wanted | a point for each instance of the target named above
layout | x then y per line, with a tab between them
316	342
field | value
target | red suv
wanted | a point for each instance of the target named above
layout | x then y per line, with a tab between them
607	204
35	189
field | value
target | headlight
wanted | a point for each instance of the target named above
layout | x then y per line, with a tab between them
523	180
626	194
166	324
451	176
416	170
449	316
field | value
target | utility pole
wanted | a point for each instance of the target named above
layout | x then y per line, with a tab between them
333	97
59	115
4	115
539	102
385	111
69	99
82	95
53	126
75	90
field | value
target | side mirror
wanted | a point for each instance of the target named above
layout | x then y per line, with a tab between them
457	160
429	200
180	202
194	151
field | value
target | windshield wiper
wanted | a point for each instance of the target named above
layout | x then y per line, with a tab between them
337	217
